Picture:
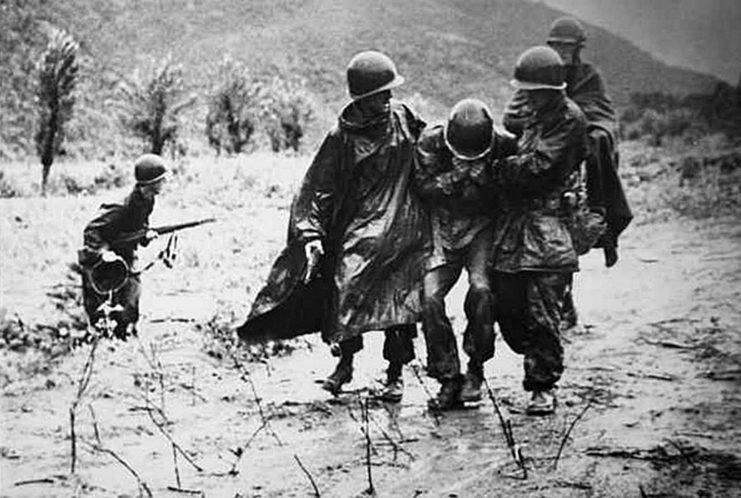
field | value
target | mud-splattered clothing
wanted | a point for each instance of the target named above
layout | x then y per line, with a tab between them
460	196
114	221
585	86
533	256
356	199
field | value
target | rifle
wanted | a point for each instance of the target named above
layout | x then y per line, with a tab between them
139	235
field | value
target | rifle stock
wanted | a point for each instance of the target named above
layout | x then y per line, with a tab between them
164	229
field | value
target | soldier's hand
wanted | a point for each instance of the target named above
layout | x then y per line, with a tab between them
151	235
611	256
313	250
108	256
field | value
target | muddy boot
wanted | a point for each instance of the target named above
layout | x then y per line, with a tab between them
471	390
342	375
449	396
542	403
393	388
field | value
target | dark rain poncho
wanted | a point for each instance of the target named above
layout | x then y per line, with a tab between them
356	199
585	86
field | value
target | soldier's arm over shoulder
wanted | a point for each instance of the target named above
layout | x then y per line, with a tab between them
535	169
433	179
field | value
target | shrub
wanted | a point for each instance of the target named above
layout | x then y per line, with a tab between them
151	105
55	99
287	114
234	105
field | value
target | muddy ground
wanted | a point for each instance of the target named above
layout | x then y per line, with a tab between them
650	399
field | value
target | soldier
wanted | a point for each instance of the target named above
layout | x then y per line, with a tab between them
357	233
585	86
100	247
453	178
533	254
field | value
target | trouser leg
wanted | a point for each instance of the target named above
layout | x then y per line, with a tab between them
543	350
478	338
128	297
529	315
442	350
398	344
569	315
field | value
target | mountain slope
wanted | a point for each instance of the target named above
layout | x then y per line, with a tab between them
447	49
702	35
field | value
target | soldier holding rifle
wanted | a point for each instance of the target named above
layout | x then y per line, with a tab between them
113	222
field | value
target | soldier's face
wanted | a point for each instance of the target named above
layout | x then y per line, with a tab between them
154	189
375	104
567	51
537	99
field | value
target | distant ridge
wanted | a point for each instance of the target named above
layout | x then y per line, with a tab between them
447	49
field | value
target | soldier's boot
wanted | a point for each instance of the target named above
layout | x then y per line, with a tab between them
542	403
471	390
393	388
449	396
342	375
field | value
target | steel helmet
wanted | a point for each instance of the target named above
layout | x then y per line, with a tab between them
149	168
371	72
567	30
539	68
469	130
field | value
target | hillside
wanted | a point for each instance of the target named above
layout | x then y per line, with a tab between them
699	35
447	48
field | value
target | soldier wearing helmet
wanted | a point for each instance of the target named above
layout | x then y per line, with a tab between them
114	221
452	176
585	86
533	256
357	240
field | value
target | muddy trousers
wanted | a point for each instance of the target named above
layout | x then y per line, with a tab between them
398	344
478	338
127	297
529	308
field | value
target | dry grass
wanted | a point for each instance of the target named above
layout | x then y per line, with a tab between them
224	262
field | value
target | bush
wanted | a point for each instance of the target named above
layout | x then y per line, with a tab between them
7	188
55	99
287	114
234	105
151	105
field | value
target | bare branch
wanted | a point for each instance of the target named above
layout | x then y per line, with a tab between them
568	432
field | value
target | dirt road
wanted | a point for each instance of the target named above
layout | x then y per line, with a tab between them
653	381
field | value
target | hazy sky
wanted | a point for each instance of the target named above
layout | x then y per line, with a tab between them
704	35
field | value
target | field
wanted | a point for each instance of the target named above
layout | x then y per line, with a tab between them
648	406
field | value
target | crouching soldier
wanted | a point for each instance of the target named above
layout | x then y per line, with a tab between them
103	254
357	243
453	178
533	253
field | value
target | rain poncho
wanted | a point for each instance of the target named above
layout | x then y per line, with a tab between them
356	199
